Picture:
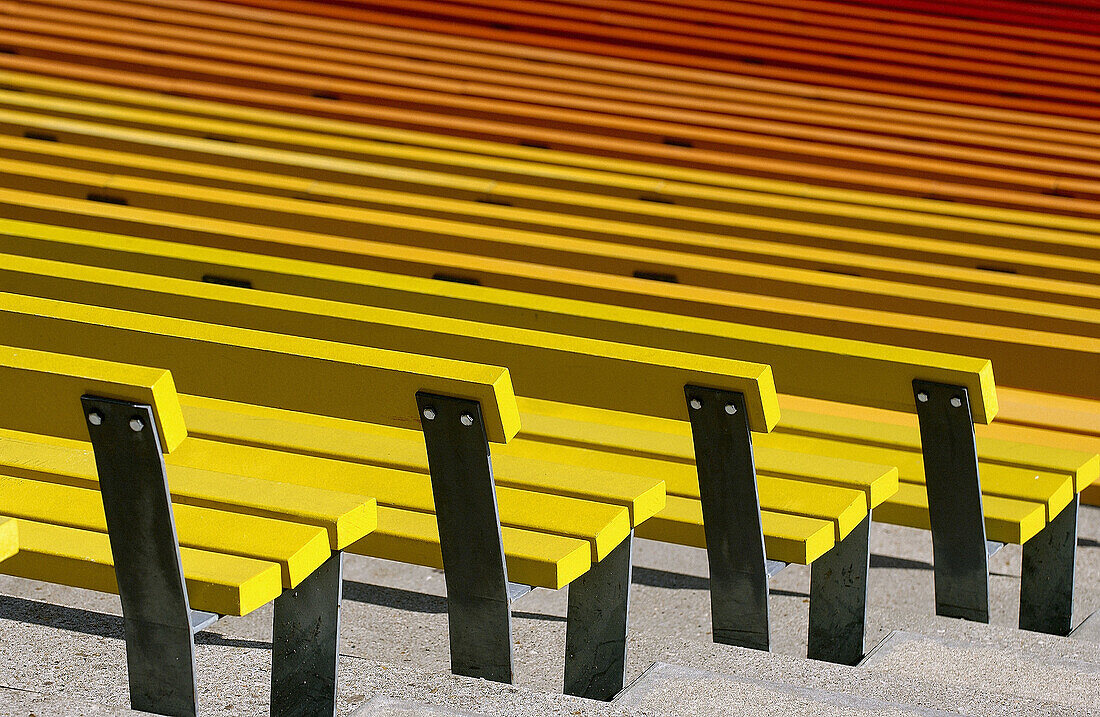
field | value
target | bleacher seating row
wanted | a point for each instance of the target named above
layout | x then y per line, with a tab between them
345	308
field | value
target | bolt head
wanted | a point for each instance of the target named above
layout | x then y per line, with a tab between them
429	413
922	397
136	425
731	409
95	418
695	404
957	402
466	419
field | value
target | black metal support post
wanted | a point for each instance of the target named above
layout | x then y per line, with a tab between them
731	517
838	599
954	500
1046	585
305	646
595	636
479	614
160	649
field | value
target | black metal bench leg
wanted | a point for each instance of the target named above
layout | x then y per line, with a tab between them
1046	584
838	599
305	647
731	517
961	563
160	648
595	636
479	613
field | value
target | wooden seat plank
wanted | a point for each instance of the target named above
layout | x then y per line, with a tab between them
1006	520
9	538
788	538
218	583
298	549
345	517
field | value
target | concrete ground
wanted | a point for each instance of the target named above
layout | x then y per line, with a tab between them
66	642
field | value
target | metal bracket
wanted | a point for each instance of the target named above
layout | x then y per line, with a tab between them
478	606
838	599
517	590
731	516
955	513
201	620
305	644
595	635
1046	580
160	648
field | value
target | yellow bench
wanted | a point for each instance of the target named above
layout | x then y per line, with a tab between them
879	382
176	567
801	521
9	538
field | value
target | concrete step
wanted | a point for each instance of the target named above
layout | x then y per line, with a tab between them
1044	675
24	703
675	689
382	706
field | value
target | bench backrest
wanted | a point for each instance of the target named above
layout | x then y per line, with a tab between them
42	391
567	369
324	378
847	371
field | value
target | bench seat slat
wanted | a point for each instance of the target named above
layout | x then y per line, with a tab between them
326	437
1006	520
218	583
602	524
537	559
297	549
788	538
345	517
9	537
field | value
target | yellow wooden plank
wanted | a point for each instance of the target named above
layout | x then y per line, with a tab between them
53	384
532	558
641	442
1091	495
1006	520
886	372
550	366
549	167
789	538
224	584
755	265
297	549
534	467
346	517
9	538
340	380
601	524
830	419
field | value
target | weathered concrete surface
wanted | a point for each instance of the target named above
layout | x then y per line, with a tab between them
674	689
20	703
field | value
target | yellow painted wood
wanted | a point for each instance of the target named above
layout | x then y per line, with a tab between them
1091	495
550	366
346	517
340	380
601	524
1006	520
225	584
532	558
555	168
828	420
762	259
789	538
297	549
530	467
48	387
802	362
9	538
645	439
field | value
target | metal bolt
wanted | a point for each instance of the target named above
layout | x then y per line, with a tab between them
957	402
696	404
94	418
136	425
731	409
922	397
429	413
466	419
